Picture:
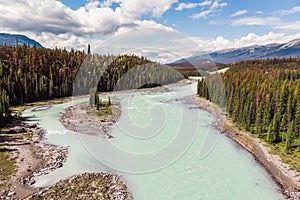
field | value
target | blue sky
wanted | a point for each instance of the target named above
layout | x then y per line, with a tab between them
218	22
212	24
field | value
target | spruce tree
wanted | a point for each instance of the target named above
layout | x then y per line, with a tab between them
289	138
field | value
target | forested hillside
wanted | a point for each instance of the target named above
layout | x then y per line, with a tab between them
263	97
197	67
34	74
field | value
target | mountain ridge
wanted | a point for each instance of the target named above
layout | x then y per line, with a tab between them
13	39
253	52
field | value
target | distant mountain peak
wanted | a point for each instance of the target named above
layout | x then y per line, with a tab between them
274	50
13	39
292	43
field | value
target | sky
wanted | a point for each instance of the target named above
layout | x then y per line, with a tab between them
163	29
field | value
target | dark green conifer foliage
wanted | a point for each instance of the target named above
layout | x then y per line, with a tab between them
263	97
33	74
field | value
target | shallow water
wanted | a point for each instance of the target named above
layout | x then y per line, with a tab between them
163	148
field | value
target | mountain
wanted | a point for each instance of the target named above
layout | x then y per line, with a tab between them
286	50
12	39
196	62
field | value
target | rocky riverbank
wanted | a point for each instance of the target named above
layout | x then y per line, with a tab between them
287	179
86	186
33	157
77	118
52	156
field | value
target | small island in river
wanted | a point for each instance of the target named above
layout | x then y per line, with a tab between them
33	156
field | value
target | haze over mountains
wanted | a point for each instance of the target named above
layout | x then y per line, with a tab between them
289	49
13	39
286	50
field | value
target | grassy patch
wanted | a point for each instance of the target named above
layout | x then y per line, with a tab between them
292	158
104	110
229	128
21	108
7	167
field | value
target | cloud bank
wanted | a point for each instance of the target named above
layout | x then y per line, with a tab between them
43	19
54	24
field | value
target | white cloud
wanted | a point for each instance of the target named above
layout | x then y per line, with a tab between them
275	23
213	8
168	45
182	6
290	11
254	39
134	9
221	43
259	12
238	13
108	3
154	43
54	17
143	24
66	40
259	21
180	46
295	25
53	24
202	14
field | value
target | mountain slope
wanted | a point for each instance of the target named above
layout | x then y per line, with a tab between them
290	49
11	39
197	63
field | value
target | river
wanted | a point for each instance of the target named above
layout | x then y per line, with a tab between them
163	148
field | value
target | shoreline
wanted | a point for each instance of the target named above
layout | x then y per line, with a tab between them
287	179
76	118
86	186
33	157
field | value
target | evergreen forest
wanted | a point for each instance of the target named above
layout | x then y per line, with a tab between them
30	74
263	97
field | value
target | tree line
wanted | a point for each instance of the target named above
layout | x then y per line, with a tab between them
262	96
30	74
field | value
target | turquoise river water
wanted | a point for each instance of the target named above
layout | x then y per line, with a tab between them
164	149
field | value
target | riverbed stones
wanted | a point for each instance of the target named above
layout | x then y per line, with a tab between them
30	125
17	129
87	186
76	118
52	156
11	194
84	186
